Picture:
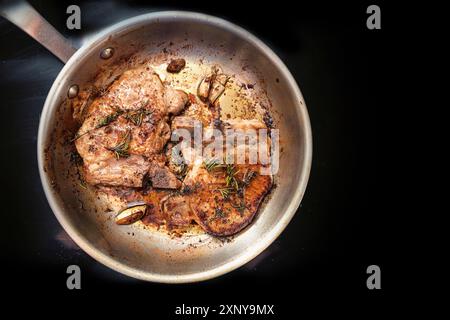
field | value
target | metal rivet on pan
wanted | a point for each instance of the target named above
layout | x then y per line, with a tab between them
73	91
107	53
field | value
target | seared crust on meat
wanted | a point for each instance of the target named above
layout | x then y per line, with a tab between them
227	218
131	89
177	211
222	215
127	172
162	177
126	127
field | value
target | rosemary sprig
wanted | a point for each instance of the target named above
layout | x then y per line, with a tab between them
211	164
248	176
230	178
240	207
219	213
78	136
102	123
108	119
137	117
182	171
225	192
121	150
82	184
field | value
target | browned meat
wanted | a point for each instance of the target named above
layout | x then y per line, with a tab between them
149	140
125	127
133	90
203	199
176	65
154	215
177	211
222	209
176	100
127	172
163	178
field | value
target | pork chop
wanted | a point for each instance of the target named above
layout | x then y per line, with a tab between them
126	126
222	208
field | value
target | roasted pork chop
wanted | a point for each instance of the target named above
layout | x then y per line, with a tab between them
126	126
225	199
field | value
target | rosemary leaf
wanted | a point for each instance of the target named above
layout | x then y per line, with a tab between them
211	164
225	192
230	178
137	117
248	177
121	150
219	213
108	119
240	207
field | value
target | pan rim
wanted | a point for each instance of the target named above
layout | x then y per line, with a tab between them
253	250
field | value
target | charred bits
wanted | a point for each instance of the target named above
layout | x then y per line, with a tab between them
176	65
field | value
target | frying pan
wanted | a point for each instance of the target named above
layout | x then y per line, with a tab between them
135	250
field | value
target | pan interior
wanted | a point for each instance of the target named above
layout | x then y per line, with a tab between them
139	251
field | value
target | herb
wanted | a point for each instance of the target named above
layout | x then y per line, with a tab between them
102	123
230	179
83	184
187	189
240	207
219	213
248	176
108	119
225	192
137	117
121	150
77	136
183	171
232	184
211	164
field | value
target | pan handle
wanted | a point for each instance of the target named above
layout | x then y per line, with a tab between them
23	15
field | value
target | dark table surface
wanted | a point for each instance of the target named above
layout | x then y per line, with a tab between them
339	229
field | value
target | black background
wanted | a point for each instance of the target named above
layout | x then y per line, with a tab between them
341	226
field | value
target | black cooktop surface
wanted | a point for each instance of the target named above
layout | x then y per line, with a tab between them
337	232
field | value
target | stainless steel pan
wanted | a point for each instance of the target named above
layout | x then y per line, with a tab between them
135	250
